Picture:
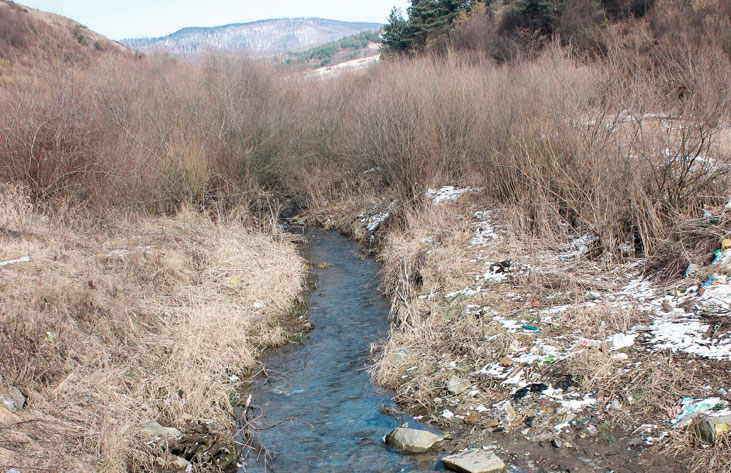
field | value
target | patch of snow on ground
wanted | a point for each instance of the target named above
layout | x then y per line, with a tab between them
688	336
124	252
468	291
374	221
509	324
485	229
577	404
578	247
449	193
352	65
675	329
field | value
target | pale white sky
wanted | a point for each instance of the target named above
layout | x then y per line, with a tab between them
120	19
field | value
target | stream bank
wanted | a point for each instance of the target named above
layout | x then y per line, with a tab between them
568	357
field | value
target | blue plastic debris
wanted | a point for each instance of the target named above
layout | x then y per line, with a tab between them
691	406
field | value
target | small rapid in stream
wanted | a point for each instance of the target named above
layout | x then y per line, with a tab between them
324	382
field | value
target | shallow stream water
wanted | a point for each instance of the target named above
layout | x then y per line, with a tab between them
323	379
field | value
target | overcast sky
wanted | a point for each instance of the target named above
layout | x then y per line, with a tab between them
118	19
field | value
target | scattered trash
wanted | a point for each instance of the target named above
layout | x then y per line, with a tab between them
713	426
690	407
586	343
501	266
722	257
531	328
533	388
566	382
447	414
711	281
620	341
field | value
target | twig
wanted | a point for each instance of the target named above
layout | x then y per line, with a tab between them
32	468
291	419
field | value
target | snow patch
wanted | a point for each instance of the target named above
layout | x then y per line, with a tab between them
449	193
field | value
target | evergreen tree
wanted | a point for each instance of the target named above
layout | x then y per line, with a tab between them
425	18
395	38
539	15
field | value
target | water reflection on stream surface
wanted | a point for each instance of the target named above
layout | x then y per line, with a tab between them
323	380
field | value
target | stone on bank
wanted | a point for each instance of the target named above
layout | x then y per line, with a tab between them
474	462
153	429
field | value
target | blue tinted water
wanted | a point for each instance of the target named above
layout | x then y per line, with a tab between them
323	380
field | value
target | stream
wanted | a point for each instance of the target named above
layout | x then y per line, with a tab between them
323	380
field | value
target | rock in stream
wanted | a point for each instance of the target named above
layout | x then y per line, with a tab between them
411	440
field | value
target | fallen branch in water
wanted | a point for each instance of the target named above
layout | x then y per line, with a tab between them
251	433
291	419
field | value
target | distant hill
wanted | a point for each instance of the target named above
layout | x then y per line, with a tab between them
23	28
266	37
365	44
29	35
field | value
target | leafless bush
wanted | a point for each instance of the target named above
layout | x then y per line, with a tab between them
622	148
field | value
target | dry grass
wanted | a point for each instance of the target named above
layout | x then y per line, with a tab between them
423	262
140	319
426	256
705	458
562	145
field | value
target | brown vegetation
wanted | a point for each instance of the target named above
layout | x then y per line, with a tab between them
31	39
117	323
630	146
